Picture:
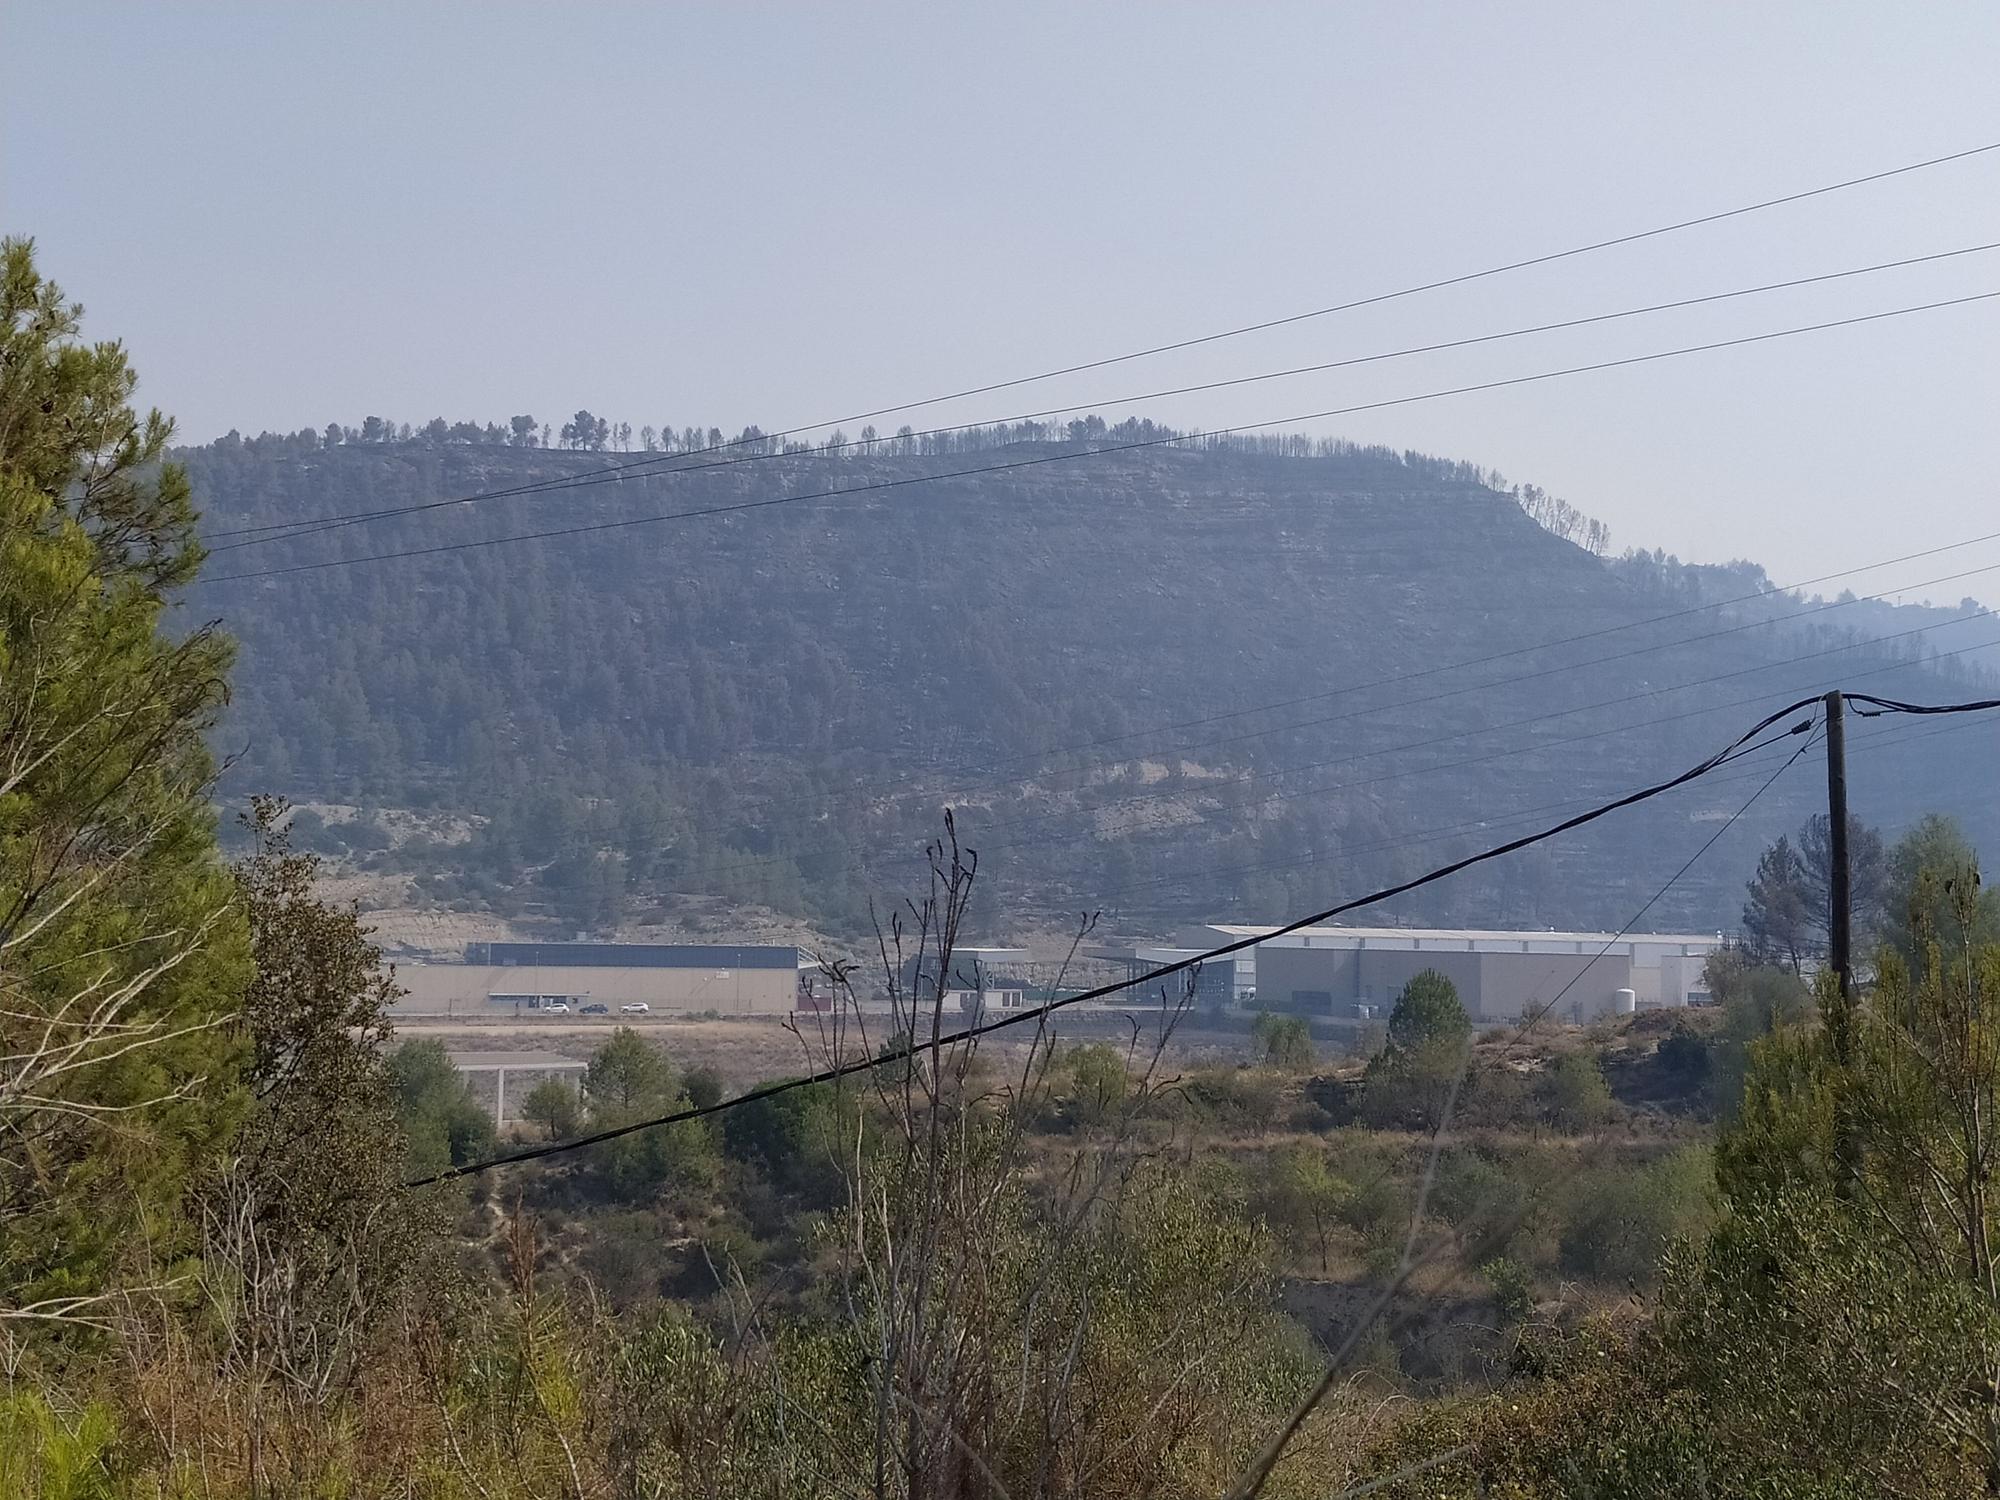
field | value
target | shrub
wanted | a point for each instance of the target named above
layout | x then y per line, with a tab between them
1285	1041
1471	1188
1574	1093
1098	1083
799	1140
1684	1056
555	1105
1303	1198
1497	1095
1428	1012
1620	1223
1513	1287
443	1123
1242	1098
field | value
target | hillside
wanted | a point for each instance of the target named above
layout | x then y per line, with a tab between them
772	705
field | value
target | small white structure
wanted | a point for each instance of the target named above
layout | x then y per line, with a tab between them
976	1003
536	1065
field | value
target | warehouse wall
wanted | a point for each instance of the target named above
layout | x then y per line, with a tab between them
1289	978
1492	986
464	987
1513	983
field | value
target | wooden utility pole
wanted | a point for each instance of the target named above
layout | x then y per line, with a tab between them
1839	1018
1840	918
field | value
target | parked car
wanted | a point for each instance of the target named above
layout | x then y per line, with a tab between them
594	1009
637	1008
555	1008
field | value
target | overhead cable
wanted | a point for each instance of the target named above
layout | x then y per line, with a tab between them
281	531
1750	740
1040	460
1370	301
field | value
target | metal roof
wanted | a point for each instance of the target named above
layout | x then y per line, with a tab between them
513	1060
632	955
1473	937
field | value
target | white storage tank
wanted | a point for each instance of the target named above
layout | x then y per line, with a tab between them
1625	1002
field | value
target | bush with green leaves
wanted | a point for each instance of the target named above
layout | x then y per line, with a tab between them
1304	1198
1574	1093
1232	1098
1497	1095
629	1081
1096	1083
1831	1352
1473	1189
804	1141
1283	1041
1513	1286
443	1124
1418	1076
1619	1223
555	1105
1686	1057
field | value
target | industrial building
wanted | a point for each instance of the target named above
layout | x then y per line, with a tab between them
496	978
971	969
1357	972
1218	984
978	980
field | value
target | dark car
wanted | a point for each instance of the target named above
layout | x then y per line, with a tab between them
594	1010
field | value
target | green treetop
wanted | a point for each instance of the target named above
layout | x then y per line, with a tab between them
1428	1012
121	951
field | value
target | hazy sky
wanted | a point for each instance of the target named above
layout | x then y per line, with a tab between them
720	215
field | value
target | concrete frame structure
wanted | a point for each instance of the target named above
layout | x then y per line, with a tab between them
1218	984
500	1064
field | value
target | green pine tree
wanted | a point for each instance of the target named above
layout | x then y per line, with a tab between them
121	952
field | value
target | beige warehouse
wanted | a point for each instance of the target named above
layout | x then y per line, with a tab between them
501	978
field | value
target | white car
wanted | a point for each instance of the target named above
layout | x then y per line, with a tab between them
555	1008
638	1008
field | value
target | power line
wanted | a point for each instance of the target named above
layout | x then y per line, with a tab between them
1039	460
1672	880
1210	873
1249	777
1325	789
858	863
1480	661
1378	298
1315	313
1743	744
1895	706
1250	1483
985	777
1434	835
1595	661
280	531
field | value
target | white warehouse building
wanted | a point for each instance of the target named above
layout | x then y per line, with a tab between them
1500	976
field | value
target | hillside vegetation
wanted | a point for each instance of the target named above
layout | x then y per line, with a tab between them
253	1244
772	704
